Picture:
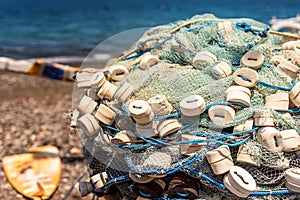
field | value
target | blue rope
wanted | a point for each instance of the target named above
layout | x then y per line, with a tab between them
294	110
161	142
102	140
199	27
225	103
268	85
108	133
192	54
192	142
111	128
182	194
247	28
105	74
149	49
213	141
166	116
134	67
267	193
144	194
205	177
148	141
124	108
156	142
255	193
137	146
221	136
237	133
143	43
196	133
112	182
261	83
221	44
126	178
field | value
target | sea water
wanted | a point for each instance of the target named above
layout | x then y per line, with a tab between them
72	28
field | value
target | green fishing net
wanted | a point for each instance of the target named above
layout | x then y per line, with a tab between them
175	77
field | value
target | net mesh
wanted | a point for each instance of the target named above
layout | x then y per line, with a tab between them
176	78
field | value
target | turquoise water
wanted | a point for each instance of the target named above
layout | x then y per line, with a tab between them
43	28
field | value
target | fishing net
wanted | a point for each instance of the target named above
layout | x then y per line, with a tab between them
175	76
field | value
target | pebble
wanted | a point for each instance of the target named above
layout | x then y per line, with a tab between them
75	151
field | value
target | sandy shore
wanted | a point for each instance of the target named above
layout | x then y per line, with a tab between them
33	113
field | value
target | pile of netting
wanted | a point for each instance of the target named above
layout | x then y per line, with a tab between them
205	108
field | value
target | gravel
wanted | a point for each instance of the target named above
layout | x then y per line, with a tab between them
33	112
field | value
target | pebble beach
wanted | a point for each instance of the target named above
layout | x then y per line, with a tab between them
34	113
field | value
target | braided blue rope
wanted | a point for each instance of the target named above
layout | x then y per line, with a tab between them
247	28
136	146
267	193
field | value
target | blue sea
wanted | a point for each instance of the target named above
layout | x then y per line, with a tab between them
72	28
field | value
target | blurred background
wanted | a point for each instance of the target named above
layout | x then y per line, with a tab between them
33	110
50	28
